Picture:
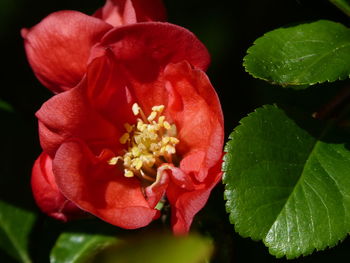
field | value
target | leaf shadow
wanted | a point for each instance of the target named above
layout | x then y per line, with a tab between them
327	131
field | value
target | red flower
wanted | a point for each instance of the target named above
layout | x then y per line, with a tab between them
58	48
144	124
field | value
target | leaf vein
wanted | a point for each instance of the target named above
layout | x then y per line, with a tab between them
323	203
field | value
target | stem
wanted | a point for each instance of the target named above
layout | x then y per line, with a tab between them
330	108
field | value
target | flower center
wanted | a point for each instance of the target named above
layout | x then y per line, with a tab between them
150	143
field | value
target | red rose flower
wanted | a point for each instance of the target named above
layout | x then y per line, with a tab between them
58	48
144	125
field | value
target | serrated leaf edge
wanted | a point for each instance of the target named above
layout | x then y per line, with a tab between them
286	84
229	210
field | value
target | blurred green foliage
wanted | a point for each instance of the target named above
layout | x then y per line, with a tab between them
157	248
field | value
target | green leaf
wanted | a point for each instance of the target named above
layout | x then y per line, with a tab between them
343	5
160	249
15	227
79	247
288	182
301	55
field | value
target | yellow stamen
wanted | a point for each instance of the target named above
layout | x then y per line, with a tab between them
158	108
152	116
141	126
166	125
125	137
128	127
165	140
174	140
170	149
151	141
128	173
136	151
135	109
161	120
137	164
114	160
127	161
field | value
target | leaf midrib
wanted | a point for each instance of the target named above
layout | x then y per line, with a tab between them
317	140
302	74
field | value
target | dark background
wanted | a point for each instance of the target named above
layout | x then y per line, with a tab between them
227	28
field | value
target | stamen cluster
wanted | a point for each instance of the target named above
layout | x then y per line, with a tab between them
150	142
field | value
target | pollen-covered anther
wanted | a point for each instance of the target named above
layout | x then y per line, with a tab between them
136	109
125	137
128	173
152	116
150	143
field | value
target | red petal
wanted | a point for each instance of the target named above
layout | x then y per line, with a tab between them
46	193
111	12
59	46
195	108
156	191
69	115
108	91
186	204
130	65
147	10
146	48
112	90
99	188
122	12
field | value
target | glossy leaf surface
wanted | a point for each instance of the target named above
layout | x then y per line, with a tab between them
305	54
288	182
79	247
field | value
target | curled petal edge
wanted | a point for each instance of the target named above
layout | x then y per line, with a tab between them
47	195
